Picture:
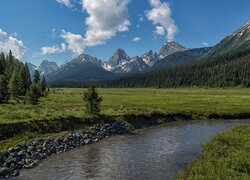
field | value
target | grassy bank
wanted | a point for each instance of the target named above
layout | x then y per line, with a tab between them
63	109
226	156
67	103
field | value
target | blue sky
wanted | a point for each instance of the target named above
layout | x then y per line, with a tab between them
58	30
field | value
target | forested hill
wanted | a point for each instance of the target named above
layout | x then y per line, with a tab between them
229	69
226	64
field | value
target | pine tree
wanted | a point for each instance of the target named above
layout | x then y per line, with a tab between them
92	101
34	93
25	78
10	65
36	76
15	84
44	84
2	63
4	96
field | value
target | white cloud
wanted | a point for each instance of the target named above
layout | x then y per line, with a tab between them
54	49
105	19
160	30
75	42
10	42
205	44
65	2
160	15
136	39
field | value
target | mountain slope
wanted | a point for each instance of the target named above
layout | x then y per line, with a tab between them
82	69
120	62
180	57
135	65
117	61
170	47
240	39
47	67
32	69
220	67
150	58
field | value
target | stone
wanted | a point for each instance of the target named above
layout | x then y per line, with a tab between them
4	171
87	141
21	153
15	173
10	160
31	165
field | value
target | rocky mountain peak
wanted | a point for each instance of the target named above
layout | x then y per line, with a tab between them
170	47
150	58
119	56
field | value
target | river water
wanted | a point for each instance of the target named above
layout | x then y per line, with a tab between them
153	153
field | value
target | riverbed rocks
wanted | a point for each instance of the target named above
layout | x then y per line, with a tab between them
30	154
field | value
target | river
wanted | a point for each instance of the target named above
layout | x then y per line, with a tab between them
153	153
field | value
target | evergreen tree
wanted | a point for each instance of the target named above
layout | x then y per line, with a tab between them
92	101
4	97
2	63
34	93
36	76
25	78
44	84
15	87
10	65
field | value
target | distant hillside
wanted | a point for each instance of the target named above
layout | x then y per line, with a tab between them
81	69
231	69
226	64
180	57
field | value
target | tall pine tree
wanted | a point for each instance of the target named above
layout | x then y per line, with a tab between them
44	84
15	86
4	96
36	76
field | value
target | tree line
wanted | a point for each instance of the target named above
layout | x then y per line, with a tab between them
16	83
227	70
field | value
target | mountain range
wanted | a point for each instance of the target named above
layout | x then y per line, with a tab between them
86	68
224	65
45	68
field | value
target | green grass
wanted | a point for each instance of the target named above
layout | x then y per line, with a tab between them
226	156
66	103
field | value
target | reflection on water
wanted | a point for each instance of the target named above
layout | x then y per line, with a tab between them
154	153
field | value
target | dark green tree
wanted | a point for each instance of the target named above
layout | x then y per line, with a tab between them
15	87
26	81
10	65
4	96
92	101
36	76
44	84
2	63
34	93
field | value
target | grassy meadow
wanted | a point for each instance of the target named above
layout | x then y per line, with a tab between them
66	103
226	156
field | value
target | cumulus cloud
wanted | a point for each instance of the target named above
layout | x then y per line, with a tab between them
75	42
65	2
160	15
105	19
136	39
10	42
54	49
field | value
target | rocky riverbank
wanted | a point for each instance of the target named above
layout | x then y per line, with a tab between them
30	154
